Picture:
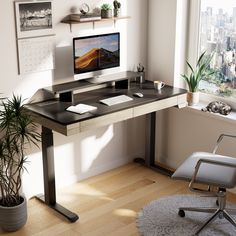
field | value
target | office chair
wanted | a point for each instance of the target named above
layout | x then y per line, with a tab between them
214	173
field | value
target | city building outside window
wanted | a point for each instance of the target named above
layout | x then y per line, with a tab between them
217	34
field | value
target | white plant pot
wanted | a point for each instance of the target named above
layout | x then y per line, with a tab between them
192	98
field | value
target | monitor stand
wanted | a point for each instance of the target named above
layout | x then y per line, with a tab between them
113	77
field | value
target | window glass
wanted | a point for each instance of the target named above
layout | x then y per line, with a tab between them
218	36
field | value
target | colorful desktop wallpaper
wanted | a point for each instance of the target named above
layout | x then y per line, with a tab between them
95	53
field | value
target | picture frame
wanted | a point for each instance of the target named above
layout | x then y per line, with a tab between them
34	18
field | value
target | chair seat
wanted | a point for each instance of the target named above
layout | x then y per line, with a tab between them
216	175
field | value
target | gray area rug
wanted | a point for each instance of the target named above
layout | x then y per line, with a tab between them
160	217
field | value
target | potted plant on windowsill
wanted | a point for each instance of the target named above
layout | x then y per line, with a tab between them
106	11
202	70
17	131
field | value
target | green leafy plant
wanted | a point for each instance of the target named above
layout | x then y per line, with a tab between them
201	71
106	7
17	131
116	4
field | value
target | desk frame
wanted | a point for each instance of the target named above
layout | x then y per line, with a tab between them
150	146
49	197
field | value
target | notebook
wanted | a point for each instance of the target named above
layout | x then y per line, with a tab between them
81	108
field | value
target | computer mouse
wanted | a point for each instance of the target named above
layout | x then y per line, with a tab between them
139	95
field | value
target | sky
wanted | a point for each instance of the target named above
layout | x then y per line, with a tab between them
108	42
226	5
34	6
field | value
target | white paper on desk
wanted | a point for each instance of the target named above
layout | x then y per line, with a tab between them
81	108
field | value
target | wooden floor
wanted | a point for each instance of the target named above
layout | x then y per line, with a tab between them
107	204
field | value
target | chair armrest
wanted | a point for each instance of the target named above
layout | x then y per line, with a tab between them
220	139
209	161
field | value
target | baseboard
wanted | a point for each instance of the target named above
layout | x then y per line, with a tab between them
164	166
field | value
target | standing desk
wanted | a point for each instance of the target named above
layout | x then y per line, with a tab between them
52	116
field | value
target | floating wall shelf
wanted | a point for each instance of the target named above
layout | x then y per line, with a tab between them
66	20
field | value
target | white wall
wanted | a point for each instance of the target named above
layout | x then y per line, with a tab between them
89	153
161	40
179	131
188	131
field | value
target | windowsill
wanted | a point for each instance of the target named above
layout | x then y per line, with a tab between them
197	109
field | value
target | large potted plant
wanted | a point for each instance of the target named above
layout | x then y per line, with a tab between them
200	71
17	131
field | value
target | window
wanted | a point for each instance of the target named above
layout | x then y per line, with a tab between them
217	34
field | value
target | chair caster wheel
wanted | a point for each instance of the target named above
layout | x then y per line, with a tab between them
221	216
181	213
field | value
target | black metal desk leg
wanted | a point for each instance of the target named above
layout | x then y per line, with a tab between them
150	139
49	197
150	146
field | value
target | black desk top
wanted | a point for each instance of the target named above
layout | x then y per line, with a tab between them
55	110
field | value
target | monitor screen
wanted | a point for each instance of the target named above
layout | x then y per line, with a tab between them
97	52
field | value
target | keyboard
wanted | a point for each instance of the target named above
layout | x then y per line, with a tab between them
116	100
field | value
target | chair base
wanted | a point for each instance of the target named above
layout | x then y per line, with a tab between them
221	213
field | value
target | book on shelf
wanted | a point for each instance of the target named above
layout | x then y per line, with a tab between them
90	18
86	17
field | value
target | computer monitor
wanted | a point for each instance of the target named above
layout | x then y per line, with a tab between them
95	54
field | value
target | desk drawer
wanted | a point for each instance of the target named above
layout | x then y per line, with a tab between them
182	100
155	106
50	124
106	120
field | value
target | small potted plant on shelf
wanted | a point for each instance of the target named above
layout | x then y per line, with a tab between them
202	70
106	11
117	6
17	132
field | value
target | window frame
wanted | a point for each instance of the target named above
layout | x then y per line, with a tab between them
193	47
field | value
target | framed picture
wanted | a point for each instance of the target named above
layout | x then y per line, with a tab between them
33	18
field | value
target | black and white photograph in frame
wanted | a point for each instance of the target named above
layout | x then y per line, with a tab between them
33	18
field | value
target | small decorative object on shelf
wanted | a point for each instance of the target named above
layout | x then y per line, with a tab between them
218	107
84	15
97	11
117	6
84	9
140	69
73	10
106	11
